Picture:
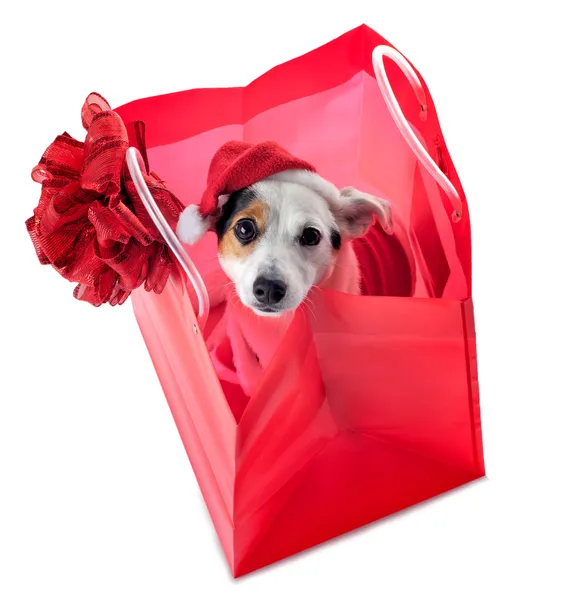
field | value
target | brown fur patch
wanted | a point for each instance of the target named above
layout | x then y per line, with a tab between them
229	246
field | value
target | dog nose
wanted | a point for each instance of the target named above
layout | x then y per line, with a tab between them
269	291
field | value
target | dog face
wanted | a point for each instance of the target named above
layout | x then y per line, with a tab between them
277	239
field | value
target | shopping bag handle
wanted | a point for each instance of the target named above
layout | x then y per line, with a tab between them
134	159
401	122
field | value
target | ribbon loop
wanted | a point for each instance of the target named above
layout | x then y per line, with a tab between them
90	223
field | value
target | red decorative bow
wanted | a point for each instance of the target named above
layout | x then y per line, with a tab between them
90	224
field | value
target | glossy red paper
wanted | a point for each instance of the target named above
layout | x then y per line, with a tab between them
371	403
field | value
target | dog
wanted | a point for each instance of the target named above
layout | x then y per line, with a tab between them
278	237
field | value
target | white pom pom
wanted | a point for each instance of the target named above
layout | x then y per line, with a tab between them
191	226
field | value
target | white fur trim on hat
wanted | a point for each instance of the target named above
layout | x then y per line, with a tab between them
310	180
191	226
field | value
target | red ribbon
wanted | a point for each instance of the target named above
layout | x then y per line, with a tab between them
90	223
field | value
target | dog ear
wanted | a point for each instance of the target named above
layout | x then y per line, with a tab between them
355	212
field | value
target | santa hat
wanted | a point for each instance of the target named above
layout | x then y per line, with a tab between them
237	165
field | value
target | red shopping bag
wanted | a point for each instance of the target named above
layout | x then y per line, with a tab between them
371	403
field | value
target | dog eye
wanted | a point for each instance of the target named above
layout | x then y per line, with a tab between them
245	230
310	237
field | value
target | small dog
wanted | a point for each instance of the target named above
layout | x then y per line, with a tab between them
278	237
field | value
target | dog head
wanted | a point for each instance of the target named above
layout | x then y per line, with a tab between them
277	239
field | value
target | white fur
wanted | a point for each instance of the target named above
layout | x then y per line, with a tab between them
341	201
277	253
309	179
191	226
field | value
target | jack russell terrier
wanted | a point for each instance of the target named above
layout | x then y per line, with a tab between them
282	230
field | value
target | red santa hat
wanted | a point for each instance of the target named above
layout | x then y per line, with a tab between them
237	165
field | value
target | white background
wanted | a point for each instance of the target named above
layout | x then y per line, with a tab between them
97	498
